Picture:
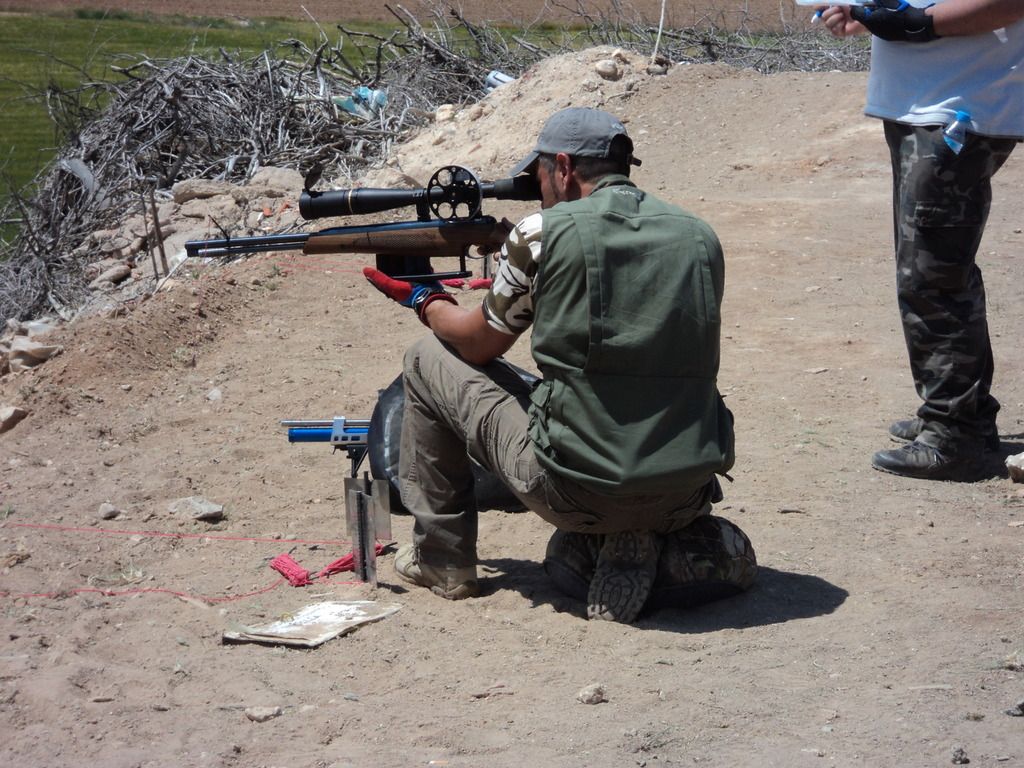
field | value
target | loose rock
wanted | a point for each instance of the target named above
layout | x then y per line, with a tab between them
108	511
608	69
197	508
592	694
262	714
26	353
1015	467
9	416
114	275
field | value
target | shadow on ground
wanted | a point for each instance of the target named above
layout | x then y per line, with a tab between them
776	597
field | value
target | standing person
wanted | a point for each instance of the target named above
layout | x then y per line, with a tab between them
929	62
619	442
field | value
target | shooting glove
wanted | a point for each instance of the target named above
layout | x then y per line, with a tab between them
895	20
414	295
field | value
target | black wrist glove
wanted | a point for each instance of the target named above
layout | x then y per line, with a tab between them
895	20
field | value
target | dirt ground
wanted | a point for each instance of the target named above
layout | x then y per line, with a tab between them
885	628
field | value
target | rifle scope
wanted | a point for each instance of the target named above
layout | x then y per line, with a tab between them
453	193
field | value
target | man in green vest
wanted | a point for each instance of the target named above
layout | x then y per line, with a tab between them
619	443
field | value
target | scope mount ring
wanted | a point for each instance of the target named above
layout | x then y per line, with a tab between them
454	193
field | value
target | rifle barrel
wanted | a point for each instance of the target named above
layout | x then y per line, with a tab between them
239	245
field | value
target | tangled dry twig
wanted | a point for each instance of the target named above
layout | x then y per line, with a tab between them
156	122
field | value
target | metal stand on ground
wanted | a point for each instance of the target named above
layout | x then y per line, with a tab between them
367	502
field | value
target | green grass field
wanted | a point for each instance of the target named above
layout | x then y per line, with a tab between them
36	50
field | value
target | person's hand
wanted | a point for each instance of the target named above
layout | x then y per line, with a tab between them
895	20
416	296
498	235
837	20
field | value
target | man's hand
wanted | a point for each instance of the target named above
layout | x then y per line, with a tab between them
895	20
416	296
497	238
836	19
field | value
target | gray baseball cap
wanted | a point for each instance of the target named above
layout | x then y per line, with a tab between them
580	132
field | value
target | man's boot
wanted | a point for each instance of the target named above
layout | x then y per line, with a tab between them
708	560
915	459
626	567
449	582
906	430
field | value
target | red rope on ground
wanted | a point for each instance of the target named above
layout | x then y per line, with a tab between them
336	263
299	577
144	590
293	572
347	563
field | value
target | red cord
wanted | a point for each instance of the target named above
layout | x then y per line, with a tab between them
123	592
161	534
292	570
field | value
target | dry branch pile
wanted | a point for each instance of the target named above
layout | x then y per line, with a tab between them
162	121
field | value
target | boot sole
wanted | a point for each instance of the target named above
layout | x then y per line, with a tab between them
623	578
619	596
960	474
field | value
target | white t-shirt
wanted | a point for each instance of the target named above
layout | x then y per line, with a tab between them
926	83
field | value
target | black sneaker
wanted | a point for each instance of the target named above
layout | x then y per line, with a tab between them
908	429
926	463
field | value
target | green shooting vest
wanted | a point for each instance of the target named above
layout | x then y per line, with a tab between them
626	335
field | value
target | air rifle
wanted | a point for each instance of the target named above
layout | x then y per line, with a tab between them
448	222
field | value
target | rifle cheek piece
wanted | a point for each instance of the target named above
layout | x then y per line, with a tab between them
421	310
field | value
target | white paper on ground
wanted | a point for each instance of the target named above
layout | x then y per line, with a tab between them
314	624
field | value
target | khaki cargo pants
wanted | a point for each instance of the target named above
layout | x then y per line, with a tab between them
454	411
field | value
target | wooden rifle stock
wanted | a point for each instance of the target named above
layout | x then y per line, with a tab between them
404	249
431	239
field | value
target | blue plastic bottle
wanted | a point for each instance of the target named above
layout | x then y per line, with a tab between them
956	132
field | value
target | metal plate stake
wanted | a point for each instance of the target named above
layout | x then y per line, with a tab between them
368	518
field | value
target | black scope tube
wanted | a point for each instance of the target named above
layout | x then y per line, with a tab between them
350	202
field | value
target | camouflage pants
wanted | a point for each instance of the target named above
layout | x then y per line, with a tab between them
940	205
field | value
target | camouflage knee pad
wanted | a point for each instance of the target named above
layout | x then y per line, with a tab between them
709	559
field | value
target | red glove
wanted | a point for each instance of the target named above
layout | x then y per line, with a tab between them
417	296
